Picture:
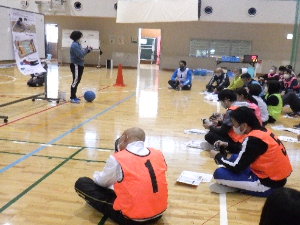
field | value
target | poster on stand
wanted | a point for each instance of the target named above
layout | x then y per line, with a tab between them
25	42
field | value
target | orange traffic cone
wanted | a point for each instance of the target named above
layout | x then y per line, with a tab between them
119	80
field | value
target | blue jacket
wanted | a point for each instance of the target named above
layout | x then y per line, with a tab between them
77	53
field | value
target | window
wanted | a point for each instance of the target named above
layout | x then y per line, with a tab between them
218	48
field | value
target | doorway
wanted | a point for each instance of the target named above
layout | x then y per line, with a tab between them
51	41
149	46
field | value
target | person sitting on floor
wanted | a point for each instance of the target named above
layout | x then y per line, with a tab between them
132	187
273	100
181	78
223	131
272	75
247	79
236	81
262	164
254	91
218	82
288	82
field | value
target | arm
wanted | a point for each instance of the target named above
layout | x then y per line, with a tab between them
109	175
212	80
252	148
77	50
223	81
174	76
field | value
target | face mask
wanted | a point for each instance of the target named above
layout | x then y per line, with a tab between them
271	71
80	40
182	68
233	74
218	74
286	76
237	130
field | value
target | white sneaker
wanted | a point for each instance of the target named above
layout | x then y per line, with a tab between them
170	87
221	189
206	146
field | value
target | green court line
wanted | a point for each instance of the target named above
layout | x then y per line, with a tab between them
37	182
52	157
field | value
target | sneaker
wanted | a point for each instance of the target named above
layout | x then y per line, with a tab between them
206	146
296	126
74	100
221	189
293	114
170	87
78	99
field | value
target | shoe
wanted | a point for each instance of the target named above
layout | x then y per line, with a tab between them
206	146
293	114
221	189
74	100
77	99
178	88
170	87
296	126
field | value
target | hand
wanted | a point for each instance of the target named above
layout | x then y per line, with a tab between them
219	144
213	153
282	93
176	79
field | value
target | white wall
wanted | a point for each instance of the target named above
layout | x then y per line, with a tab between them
281	12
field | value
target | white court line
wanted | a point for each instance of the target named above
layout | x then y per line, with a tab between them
223	210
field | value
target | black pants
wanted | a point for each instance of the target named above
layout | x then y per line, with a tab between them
174	84
77	72
212	137
102	199
291	98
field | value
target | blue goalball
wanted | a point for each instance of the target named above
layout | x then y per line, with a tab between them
89	96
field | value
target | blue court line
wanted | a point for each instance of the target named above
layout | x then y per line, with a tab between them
63	135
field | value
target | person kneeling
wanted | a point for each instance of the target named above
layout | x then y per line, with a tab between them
132	187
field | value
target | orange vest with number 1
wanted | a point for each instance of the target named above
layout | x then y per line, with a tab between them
143	193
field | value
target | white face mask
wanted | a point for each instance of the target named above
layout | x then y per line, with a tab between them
238	131
271	71
286	76
233	74
218	74
79	40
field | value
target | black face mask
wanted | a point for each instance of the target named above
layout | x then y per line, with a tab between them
182	68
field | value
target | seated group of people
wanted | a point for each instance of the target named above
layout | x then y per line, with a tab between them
132	186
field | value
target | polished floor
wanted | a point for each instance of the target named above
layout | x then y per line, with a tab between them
46	146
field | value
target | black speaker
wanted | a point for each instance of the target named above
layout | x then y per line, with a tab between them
252	11
77	5
208	10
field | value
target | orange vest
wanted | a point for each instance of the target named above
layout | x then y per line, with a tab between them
274	163
235	137
142	193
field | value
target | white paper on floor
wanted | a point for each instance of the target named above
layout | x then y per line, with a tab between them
194	178
195	131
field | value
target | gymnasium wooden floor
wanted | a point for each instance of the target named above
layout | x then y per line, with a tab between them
46	146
